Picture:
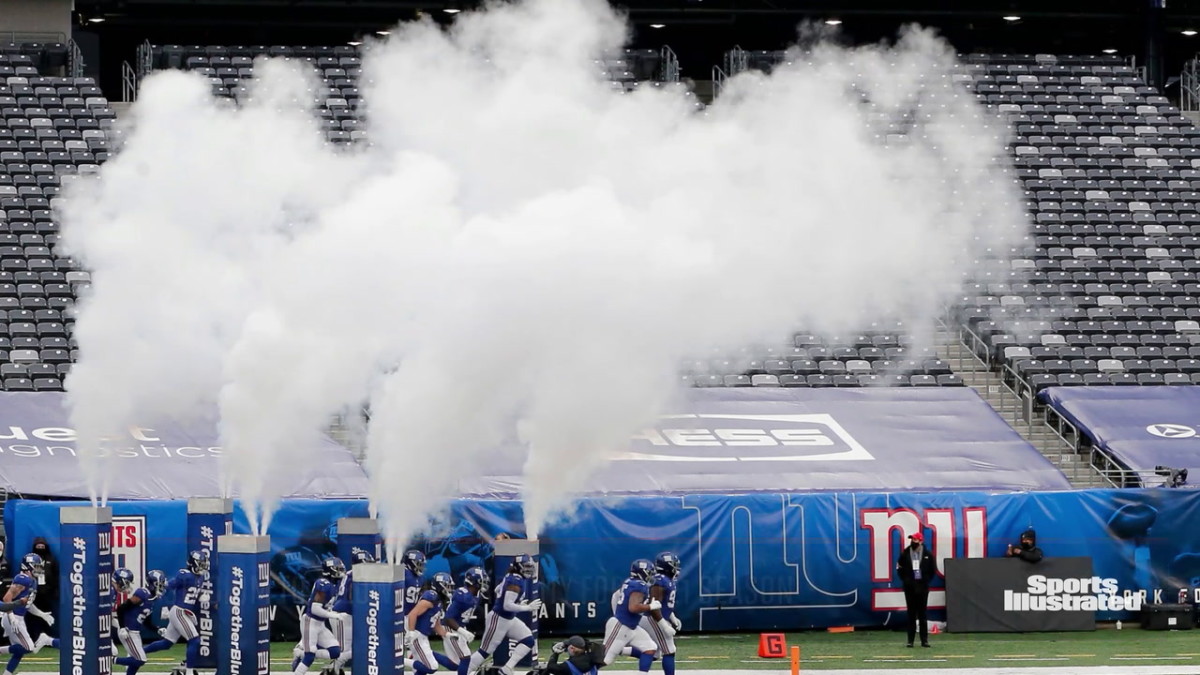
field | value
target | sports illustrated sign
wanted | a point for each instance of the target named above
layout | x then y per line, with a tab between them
1001	595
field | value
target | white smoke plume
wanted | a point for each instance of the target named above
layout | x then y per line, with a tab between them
521	251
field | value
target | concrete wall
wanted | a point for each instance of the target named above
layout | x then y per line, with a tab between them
38	17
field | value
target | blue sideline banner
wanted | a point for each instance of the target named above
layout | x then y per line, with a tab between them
752	562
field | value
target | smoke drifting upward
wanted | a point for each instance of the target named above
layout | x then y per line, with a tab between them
521	251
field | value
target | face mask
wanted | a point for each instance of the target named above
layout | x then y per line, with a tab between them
1027	545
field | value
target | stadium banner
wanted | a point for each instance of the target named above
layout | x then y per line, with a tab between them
1141	427
751	561
1008	595
780	439
156	459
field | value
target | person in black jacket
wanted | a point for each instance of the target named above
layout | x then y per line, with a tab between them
582	654
47	595
1027	550
916	568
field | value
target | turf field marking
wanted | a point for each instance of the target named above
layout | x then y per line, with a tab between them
1029	658
1077	656
904	660
1149	658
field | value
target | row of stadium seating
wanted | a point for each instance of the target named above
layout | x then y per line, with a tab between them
1111	177
52	127
1107	279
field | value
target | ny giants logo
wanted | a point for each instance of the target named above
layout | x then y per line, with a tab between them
970	527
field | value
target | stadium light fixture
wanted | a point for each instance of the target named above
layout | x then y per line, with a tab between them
354	43
1189	32
658	25
833	22
383	32
452	10
1110	51
96	19
1012	17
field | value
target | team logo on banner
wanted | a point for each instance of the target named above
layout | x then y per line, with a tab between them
746	438
1171	430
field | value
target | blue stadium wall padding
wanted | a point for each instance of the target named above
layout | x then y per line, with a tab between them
750	562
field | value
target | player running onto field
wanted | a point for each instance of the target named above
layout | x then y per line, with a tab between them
512	598
134	614
22	592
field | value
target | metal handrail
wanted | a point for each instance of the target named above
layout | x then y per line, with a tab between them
670	65
74	59
736	61
1189	86
718	81
145	59
129	82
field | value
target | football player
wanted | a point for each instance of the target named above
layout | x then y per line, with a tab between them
456	642
22	591
181	617
340	620
512	598
663	629
414	570
630	603
134	614
315	633
424	620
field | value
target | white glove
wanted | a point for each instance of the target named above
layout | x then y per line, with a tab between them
49	619
411	636
666	627
466	635
343	618
162	632
559	647
676	623
123	634
534	606
655	605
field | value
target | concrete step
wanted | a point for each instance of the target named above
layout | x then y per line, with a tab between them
977	375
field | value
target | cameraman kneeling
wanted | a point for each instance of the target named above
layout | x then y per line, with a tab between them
582	654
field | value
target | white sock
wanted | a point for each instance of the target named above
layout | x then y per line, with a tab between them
300	669
519	653
476	662
628	651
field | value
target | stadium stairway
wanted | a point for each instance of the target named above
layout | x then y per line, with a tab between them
1030	424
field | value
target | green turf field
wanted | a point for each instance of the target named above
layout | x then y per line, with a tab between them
874	649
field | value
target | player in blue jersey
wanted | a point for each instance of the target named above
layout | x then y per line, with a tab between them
424	620
315	633
340	619
23	591
631	602
184	593
512	598
133	615
456	642
414	571
662	628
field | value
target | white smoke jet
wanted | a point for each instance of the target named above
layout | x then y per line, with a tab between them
521	251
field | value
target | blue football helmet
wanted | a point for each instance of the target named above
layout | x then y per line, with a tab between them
667	564
359	556
641	569
33	564
475	577
524	565
333	568
156	583
442	584
414	560
123	580
198	561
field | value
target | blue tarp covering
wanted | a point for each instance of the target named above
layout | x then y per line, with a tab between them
783	439
712	440
750	562
1141	427
158	459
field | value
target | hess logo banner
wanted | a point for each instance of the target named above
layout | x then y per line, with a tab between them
732	438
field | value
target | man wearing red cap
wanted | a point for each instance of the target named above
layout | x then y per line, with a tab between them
916	568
